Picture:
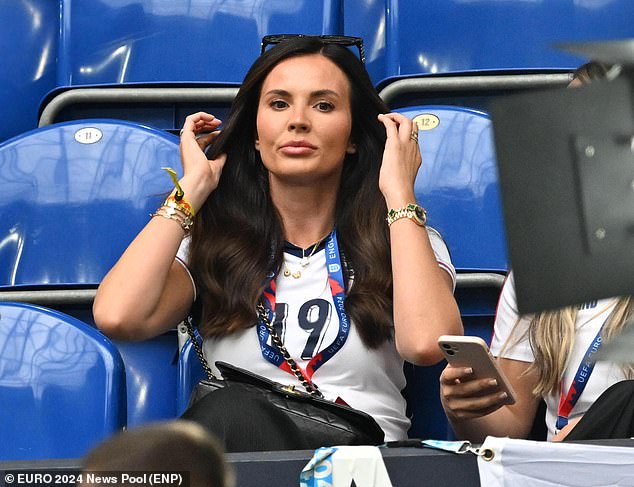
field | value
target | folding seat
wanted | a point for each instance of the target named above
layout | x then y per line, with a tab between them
186	59
410	37
190	372
74	196
62	384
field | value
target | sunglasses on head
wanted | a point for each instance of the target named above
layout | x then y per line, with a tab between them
345	41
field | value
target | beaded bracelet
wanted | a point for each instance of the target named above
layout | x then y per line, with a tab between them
173	212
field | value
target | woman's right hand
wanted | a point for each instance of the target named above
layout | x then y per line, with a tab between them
200	174
464	397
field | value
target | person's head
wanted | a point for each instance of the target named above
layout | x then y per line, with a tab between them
238	236
589	72
171	446
287	64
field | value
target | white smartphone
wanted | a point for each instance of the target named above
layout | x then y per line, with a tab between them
471	351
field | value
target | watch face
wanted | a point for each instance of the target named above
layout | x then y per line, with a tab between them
419	213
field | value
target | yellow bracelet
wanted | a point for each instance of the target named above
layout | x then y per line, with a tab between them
178	196
179	191
182	203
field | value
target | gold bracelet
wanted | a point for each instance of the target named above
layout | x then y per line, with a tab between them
170	203
177	214
183	221
414	212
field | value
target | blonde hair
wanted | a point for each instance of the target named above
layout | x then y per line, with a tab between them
551	335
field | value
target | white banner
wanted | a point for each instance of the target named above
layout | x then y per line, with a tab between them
518	463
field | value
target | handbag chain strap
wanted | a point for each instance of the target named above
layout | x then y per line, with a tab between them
311	388
198	348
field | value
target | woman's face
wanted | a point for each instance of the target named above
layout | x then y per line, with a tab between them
304	121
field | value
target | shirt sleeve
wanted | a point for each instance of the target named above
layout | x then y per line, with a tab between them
182	257
442	253
510	327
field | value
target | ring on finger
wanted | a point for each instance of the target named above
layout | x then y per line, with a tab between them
414	136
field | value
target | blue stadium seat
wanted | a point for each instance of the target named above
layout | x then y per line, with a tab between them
151	367
190	371
74	196
477	36
62	385
202	41
458	184
184	55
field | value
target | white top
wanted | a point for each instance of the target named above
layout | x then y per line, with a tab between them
589	320
369	380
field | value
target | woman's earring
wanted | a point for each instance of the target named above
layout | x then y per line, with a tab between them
351	149
257	145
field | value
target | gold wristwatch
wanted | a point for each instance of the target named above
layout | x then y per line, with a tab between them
412	211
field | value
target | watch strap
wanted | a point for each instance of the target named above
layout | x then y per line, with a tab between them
414	212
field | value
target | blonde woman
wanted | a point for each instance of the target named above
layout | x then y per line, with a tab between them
545	356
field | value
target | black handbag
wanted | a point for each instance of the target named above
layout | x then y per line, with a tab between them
320	421
611	416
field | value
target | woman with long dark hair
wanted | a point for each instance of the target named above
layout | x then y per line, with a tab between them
288	209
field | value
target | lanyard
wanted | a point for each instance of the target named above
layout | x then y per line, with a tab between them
578	384
336	283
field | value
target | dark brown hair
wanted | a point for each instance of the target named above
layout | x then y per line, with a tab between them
169	446
237	238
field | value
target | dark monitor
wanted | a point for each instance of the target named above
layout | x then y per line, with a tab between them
566	167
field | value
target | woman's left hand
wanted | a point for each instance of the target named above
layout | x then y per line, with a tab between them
401	159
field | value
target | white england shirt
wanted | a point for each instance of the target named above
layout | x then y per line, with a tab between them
369	380
590	318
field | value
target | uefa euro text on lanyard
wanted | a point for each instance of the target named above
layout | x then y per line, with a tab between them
567	402
337	288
